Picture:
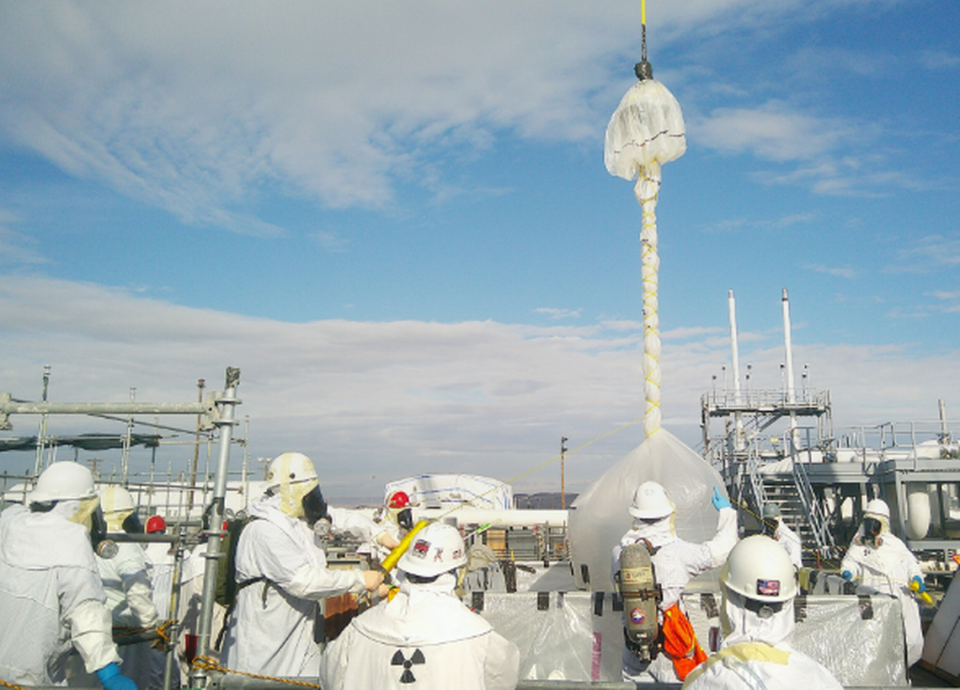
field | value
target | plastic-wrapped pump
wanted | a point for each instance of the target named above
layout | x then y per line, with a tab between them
638	587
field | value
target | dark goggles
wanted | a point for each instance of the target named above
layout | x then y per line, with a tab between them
871	527
98	528
314	506
405	519
132	524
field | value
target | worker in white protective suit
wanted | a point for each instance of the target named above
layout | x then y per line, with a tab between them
160	559
282	573
878	559
774	527
128	589
51	595
758	585
675	563
425	637
396	518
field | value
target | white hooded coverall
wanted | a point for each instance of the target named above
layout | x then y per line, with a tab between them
130	600
271	629
425	638
675	563
756	654
160	562
889	568
790	541
51	597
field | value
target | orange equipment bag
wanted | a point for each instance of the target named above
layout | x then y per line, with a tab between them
680	642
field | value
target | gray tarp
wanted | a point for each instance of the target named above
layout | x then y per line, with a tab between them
83	441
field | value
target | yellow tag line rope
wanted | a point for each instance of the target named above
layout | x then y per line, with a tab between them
541	466
210	664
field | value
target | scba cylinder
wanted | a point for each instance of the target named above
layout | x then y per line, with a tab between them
638	587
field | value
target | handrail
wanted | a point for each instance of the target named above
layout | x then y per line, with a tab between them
811	508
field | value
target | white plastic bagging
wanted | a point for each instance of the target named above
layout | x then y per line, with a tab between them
647	127
599	517
578	636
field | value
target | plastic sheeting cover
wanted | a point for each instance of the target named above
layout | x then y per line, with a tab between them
579	635
437	490
860	639
599	517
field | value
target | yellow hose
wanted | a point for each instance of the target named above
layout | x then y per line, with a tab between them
390	561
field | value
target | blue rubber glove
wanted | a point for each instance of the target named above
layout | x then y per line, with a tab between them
719	502
846	575
111	678
921	587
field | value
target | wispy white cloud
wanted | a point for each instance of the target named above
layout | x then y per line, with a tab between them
404	397
836	271
15	248
948	302
832	156
939	59
928	253
687	333
734	225
773	131
332	242
554	313
198	111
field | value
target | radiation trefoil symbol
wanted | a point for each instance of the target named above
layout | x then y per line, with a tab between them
399	660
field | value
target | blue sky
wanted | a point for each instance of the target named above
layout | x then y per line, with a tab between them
395	218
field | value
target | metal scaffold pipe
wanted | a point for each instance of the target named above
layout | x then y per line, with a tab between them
227	403
8	407
739	441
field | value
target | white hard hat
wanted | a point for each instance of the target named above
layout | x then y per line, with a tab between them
759	568
770	510
436	548
117	505
650	502
290	468
877	507
293	477
63	481
116	499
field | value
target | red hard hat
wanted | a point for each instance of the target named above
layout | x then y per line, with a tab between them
156	524
398	499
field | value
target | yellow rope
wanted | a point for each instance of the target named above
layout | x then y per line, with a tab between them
540	466
744	508
210	664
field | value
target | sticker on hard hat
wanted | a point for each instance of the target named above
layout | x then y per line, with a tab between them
770	588
637	616
421	548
